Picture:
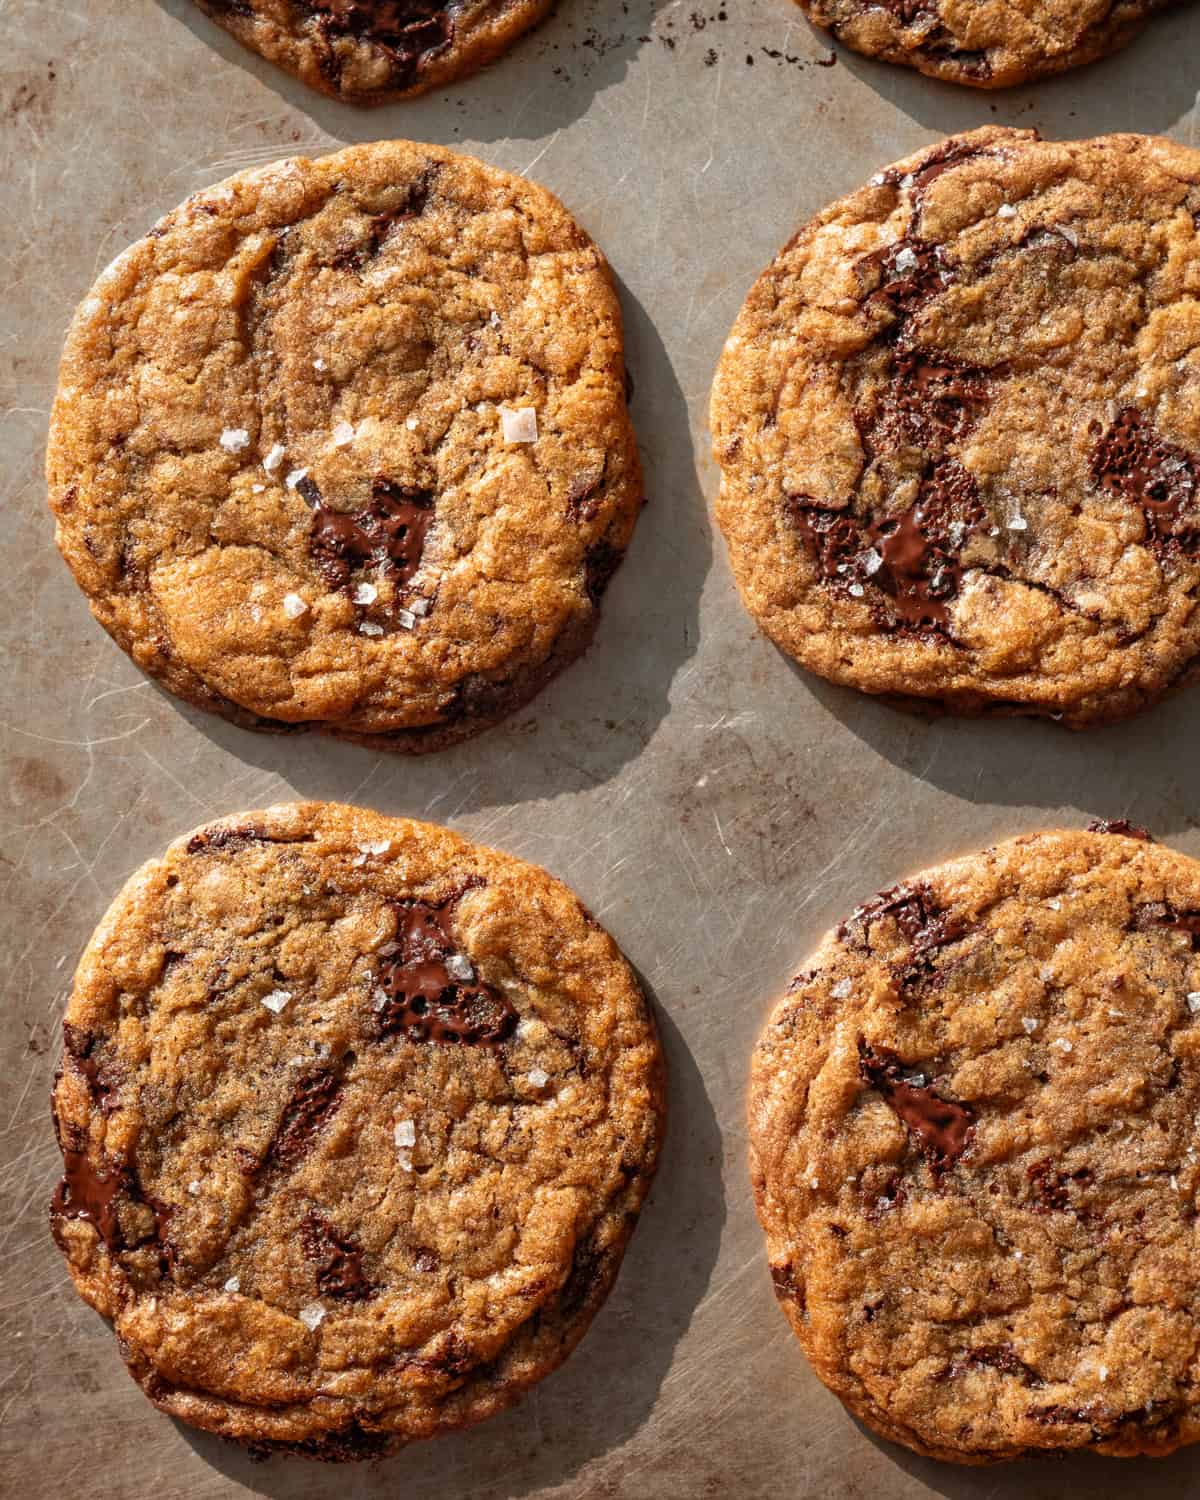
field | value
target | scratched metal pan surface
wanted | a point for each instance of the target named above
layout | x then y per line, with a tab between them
717	808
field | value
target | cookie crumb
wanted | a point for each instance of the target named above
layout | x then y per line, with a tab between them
842	989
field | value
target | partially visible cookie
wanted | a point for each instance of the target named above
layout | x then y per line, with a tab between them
357	1118
989	44
958	424
374	51
343	444
974	1149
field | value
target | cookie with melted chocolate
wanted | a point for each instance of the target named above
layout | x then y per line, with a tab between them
986	44
973	1150
376	51
343	445
958	425
356	1120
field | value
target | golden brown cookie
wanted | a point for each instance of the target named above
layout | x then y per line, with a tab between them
356	1118
988	44
974	1148
958	423
374	51
343	444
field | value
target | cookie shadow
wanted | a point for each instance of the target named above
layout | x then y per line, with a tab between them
1051	1478
1140	88
1142	769
602	711
545	81
605	1392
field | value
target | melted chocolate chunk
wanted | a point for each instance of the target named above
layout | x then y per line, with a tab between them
1092	1415
1002	1357
910	271
1132	461
585	494
339	1260
412	32
925	924
1051	1188
926	404
1164	914
913	557
1122	826
95	1197
789	1287
949	154
86	1194
600	562
893	1194
353	257
909	11
314	1101
81	1047
389	534
943	1127
432	992
350	1445
226	838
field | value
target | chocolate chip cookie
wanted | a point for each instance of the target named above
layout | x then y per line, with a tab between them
374	51
975	1157
988	44
958	422
343	445
356	1119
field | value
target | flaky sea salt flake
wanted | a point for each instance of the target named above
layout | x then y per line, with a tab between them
1006	211
405	1133
368	627
841	989
519	426
233	1284
1193	1002
459	967
294	606
194	1188
274	458
343	434
234	439
295	477
405	619
1030	1024
907	260
365	593
276	1000
538	1077
312	1315
1064	1044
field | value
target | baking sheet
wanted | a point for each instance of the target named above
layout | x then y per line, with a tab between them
717	808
